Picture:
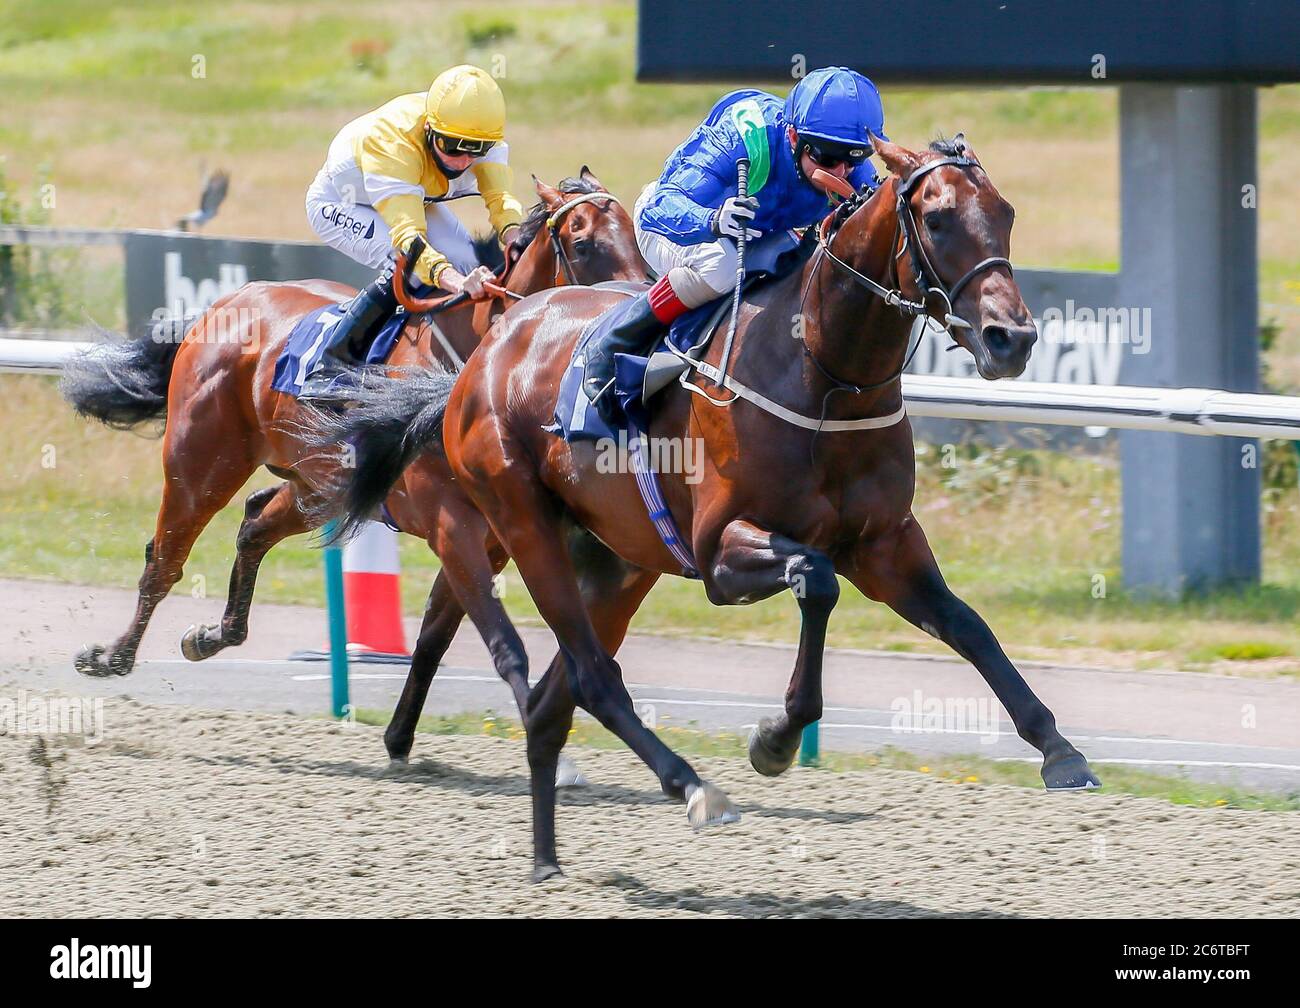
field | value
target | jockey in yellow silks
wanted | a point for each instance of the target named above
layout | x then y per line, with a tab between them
387	177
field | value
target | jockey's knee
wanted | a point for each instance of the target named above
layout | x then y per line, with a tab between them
710	274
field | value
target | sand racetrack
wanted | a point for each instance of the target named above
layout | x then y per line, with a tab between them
185	812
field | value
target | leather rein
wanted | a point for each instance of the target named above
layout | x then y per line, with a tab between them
493	289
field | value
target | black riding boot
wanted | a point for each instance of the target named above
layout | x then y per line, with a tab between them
634	335
350	337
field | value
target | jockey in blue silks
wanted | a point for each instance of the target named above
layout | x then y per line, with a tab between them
687	221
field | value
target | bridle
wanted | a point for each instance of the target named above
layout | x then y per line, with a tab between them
553	230
925	276
927	280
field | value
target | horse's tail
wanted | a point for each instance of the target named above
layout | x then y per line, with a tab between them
124	384
393	420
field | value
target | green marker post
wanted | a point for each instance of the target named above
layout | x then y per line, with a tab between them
336	612
810	745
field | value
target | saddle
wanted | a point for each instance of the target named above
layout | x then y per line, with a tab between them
638	379
306	345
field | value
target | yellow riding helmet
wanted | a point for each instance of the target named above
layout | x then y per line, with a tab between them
465	102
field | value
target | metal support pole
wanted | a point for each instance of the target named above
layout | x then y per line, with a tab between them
1188	260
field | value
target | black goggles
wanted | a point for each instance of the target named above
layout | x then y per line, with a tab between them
829	155
459	146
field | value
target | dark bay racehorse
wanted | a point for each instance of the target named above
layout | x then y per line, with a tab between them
223	420
811	478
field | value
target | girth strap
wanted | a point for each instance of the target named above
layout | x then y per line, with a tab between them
647	483
781	412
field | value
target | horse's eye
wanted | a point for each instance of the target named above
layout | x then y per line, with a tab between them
934	220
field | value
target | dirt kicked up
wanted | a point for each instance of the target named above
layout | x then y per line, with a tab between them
181	812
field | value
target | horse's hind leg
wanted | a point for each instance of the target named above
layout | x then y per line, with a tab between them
525	515
271	515
196	485
613	591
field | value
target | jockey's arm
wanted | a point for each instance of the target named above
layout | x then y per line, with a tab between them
494	181
683	206
392	170
404	216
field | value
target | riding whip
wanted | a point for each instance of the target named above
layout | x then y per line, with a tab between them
742	191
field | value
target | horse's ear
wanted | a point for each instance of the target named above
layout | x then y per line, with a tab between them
549	195
963	146
899	160
587	175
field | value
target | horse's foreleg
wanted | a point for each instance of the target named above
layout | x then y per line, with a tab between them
901	571
271	515
750	564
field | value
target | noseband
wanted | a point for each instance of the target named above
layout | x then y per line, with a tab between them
553	230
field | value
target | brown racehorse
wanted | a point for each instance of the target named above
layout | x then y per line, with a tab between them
785	502
223	420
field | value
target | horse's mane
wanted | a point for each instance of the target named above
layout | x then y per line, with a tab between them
487	250
531	224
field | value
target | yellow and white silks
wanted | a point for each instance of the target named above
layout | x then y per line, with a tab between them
370	196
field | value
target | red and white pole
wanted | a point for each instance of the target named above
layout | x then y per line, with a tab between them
371	586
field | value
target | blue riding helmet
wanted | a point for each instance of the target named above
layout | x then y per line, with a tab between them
836	104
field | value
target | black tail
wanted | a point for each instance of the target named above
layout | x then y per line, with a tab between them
124	384
394	419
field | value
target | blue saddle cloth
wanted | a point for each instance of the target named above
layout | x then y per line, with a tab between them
576	419
306	345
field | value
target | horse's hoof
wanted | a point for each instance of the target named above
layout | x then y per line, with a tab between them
1069	773
197	645
567	774
706	805
90	662
547	871
764	758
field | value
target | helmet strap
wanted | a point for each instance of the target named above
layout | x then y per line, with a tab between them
800	145
432	144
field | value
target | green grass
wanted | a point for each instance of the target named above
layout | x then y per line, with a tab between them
1246	651
960	770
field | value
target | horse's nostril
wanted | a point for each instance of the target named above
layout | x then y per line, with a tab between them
997	339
